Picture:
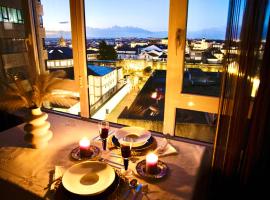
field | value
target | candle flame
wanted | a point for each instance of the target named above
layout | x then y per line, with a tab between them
84	142
152	158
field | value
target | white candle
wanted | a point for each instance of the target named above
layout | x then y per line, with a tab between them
151	163
84	143
84	147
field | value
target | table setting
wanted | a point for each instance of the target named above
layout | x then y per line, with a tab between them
109	165
40	172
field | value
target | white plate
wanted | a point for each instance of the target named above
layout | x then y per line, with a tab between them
138	135
88	178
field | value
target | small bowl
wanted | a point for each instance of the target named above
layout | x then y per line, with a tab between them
137	135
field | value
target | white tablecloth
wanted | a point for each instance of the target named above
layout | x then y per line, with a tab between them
32	169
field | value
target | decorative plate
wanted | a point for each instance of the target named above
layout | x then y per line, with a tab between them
64	194
138	135
88	178
145	146
75	153
161	172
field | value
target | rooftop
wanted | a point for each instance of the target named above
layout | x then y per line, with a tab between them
96	70
143	106
59	53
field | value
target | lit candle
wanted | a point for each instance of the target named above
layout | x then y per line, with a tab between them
154	95
84	147
151	163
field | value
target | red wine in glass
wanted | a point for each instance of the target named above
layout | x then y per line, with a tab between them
104	132
126	153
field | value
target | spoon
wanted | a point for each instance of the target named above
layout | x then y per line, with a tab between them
131	186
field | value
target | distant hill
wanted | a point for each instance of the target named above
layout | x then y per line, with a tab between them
211	33
129	31
112	32
126	31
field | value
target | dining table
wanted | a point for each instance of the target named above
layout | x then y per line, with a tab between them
25	172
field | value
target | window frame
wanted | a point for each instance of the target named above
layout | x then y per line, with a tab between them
174	98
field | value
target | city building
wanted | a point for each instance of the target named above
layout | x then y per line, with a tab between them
164	41
133	44
125	52
196	56
62	42
218	54
200	44
151	53
101	80
218	45
59	58
92	54
14	39
41	34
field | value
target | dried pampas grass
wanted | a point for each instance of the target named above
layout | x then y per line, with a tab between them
34	93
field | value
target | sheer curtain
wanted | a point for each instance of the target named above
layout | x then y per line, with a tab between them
240	145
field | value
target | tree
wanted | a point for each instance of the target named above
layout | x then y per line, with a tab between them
106	52
147	70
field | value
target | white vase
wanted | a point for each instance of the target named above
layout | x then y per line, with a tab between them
37	129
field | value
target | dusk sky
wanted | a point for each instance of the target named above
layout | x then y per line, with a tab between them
151	15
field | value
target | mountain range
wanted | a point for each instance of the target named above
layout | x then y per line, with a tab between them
129	31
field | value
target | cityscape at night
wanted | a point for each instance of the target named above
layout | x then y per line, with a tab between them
124	61
134	99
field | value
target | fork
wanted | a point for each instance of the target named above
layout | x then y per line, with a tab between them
112	163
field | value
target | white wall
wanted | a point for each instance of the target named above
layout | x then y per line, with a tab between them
112	103
100	85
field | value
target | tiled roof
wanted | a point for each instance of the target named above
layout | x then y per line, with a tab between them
152	54
96	70
163	55
59	53
126	48
151	48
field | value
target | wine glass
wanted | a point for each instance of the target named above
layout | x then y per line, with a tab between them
126	146
104	132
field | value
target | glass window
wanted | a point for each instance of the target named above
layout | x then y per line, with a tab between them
195	125
41	21
5	14
205	48
128	36
58	46
13	50
20	16
1	15
12	15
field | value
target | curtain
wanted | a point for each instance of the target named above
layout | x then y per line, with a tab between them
242	124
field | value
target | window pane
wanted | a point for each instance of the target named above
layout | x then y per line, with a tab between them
1	17
5	14
19	15
127	59
205	49
195	125
14	58
203	67
58	47
12	15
